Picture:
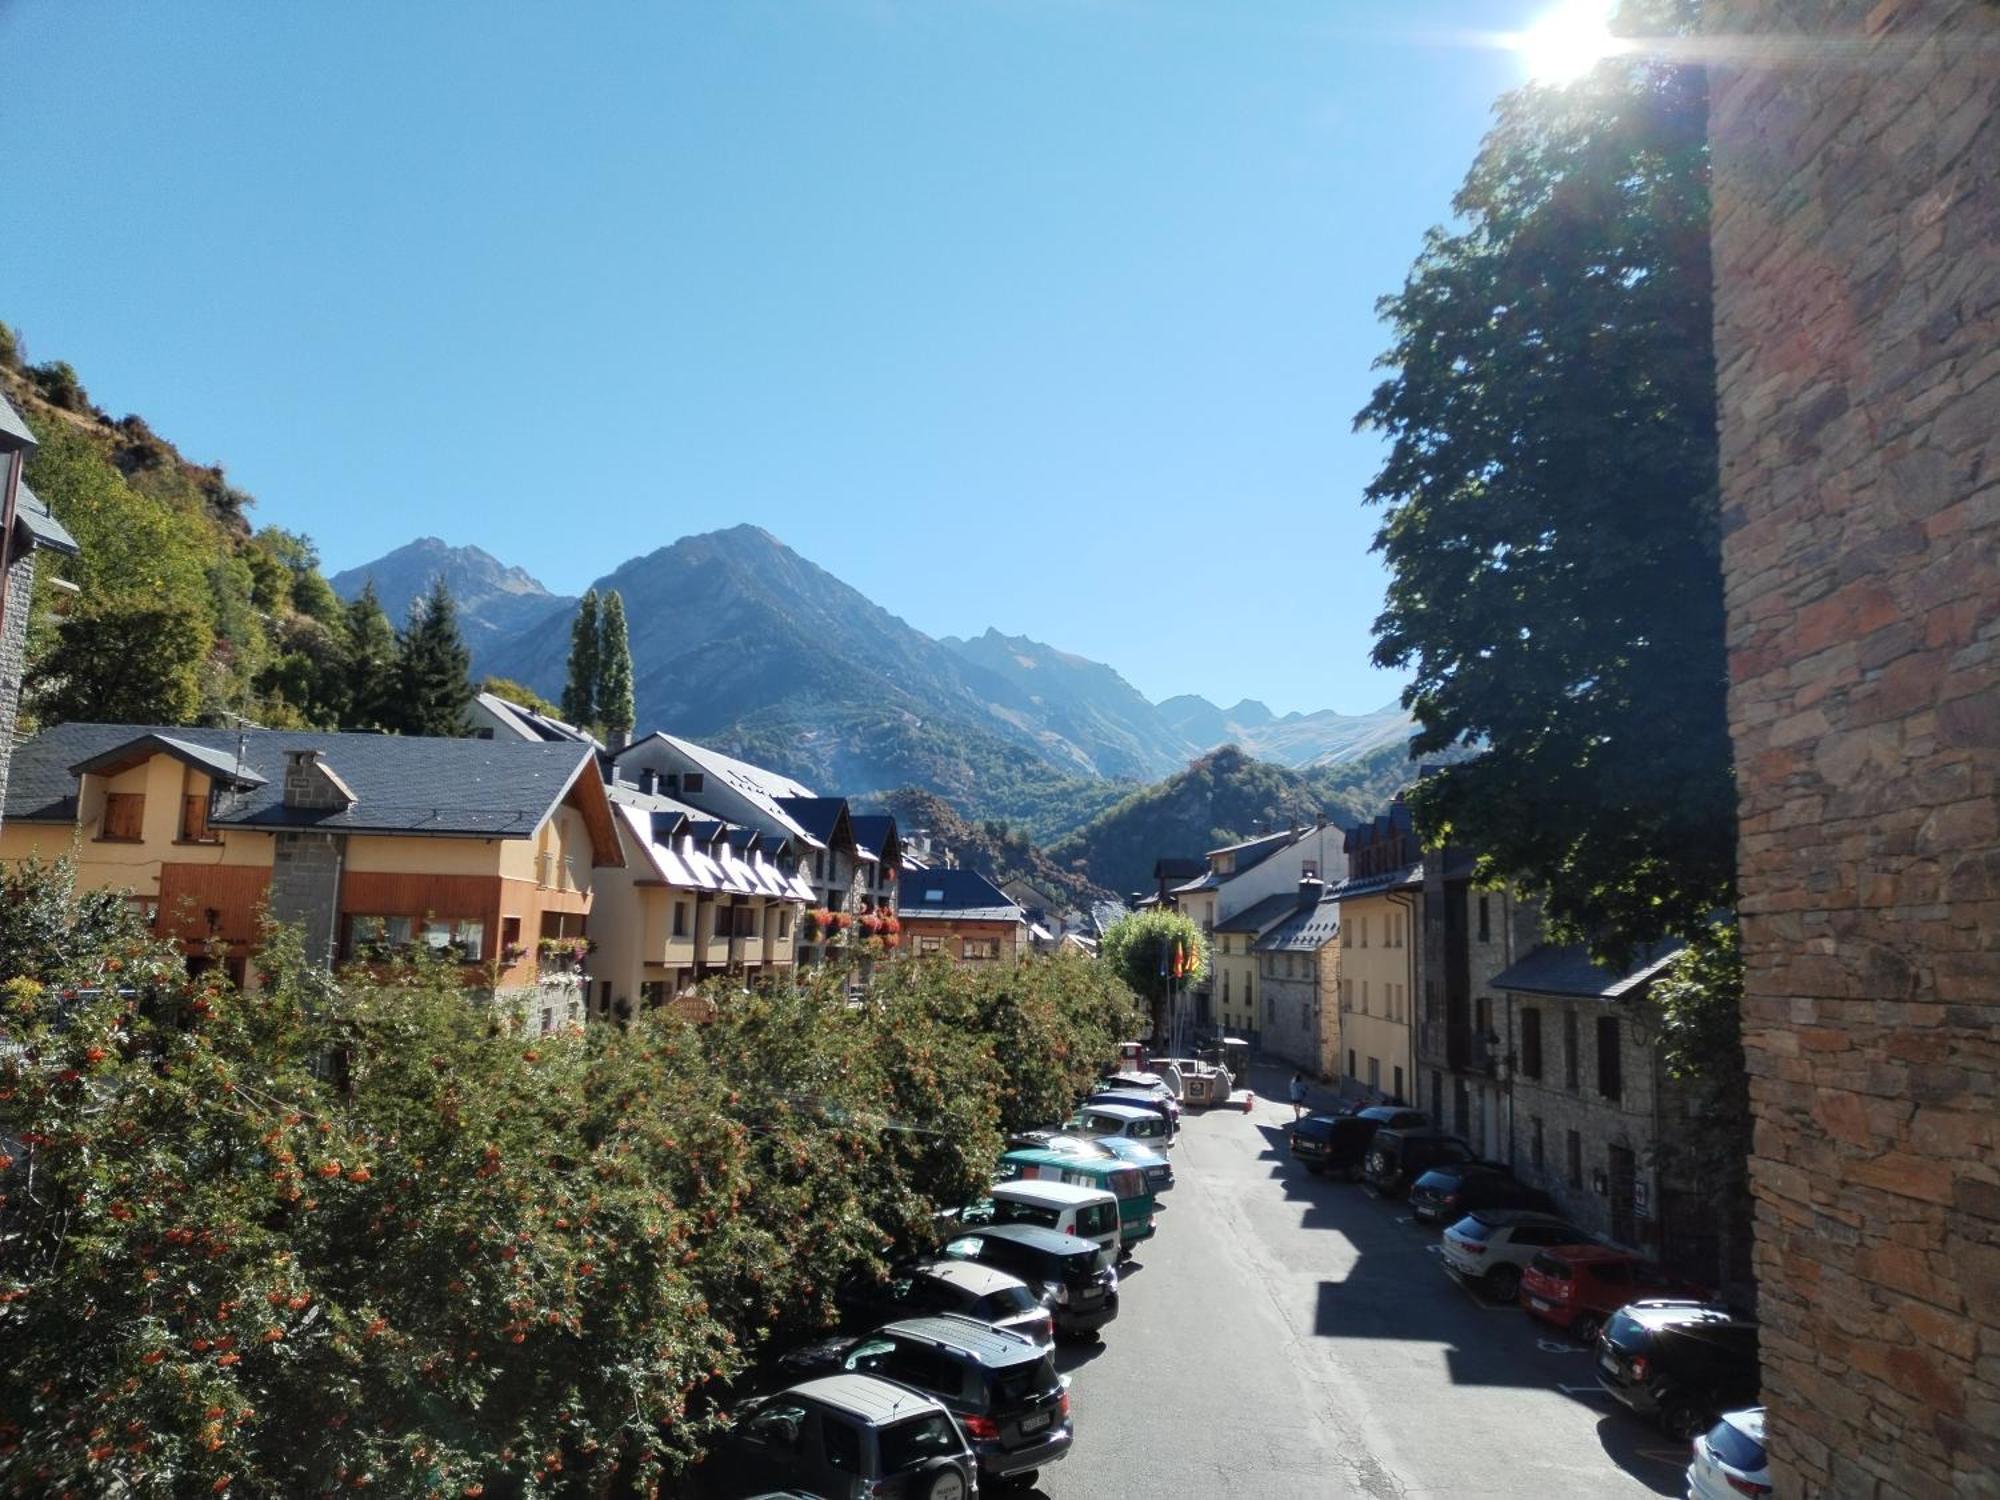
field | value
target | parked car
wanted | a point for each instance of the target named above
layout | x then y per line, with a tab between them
965	1287
1681	1363
1578	1286
1447	1193
1003	1390
1398	1156
1084	1295
1153	1165
1338	1141
1146	1126
1730	1459
847	1437
1491	1247
1088	1212
1136	1203
1158	1100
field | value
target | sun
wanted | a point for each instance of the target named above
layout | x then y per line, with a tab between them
1568	41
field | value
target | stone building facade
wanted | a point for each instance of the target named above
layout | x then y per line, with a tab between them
1856	153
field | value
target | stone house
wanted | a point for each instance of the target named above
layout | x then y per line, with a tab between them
1857	348
1469	936
961	915
1298	963
483	850
26	528
1589	1106
1381	918
695	898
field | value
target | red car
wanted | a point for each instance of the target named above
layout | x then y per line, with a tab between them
1578	1286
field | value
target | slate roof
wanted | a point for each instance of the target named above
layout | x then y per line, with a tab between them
720	857
402	784
1262	848
1568	971
1306	931
220	764
530	725
1261	916
966	896
1409	877
1173	867
11	426
874	832
40	522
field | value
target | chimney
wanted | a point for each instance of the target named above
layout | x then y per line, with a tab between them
311	783
617	739
1310	890
649	781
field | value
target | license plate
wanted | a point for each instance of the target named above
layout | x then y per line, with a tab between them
1610	1362
1540	1305
1034	1424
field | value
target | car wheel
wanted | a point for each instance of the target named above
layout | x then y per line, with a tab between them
1504	1283
1583	1327
1682	1420
1022	1481
942	1480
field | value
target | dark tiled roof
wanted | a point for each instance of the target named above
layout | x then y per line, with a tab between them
1568	970
1307	930
402	784
875	832
1261	916
40	522
1253	852
964	895
11	426
1175	868
1407	878
818	816
220	764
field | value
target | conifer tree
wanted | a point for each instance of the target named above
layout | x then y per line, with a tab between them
615	707
374	679
433	664
579	698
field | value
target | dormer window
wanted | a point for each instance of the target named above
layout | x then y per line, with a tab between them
693	783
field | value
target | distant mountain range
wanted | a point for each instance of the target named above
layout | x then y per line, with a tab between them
739	640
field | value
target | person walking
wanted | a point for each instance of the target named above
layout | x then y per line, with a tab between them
1298	1096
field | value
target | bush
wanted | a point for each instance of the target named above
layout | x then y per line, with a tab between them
359	1230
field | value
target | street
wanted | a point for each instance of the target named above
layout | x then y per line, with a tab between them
1288	1336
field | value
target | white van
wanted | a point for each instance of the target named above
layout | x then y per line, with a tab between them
1090	1213
1135	1124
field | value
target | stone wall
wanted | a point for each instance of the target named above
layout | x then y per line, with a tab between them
305	888
14	653
1857	266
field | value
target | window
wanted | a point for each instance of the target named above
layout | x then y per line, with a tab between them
124	817
1574	1148
1399	1083
1437	1096
1375	1073
1249	1001
784	921
1531	1043
1361	931
978	948
819	865
680	919
548	1019
929	944
1350	1063
652	993
1225	986
1569	1050
466	936
194	820
366	935
1364	997
693	782
1485	921
841	1443
510	935
1610	1071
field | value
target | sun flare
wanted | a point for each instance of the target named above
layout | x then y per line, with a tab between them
1568	41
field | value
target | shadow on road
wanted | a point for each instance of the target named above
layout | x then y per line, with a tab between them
1074	1356
1650	1457
1127	1267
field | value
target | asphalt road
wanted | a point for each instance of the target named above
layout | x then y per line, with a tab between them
1287	1336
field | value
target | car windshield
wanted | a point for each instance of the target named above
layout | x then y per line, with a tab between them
1008	1211
1097	1218
1476	1230
917	1441
1017	1385
1732	1446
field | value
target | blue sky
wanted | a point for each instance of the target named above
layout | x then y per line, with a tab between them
1050	315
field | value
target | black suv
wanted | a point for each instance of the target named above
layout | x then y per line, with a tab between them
923	1288
1446	1194
844	1437
1003	1389
1083	1295
1397	1157
1681	1363
1339	1142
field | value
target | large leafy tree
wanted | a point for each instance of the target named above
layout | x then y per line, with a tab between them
1153	952
433	666
586	645
615	708
1550	493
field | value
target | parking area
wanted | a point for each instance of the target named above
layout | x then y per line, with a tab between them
1289	1335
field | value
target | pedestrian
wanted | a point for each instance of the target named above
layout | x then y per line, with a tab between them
1298	1095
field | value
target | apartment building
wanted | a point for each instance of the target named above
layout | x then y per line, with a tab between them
1298	964
1381	913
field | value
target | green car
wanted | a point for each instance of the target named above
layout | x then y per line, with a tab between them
1136	1203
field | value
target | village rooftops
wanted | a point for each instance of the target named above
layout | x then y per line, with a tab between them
43	529
1307	930
525	723
961	895
1567	970
14	432
397	784
1261	916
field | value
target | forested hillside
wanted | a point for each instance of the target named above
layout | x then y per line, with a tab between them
1221	798
1000	851
184	612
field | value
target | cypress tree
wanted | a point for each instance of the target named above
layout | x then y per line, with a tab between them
614	669
434	666
579	698
374	681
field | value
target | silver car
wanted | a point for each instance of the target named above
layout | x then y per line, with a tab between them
1490	1247
1730	1460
